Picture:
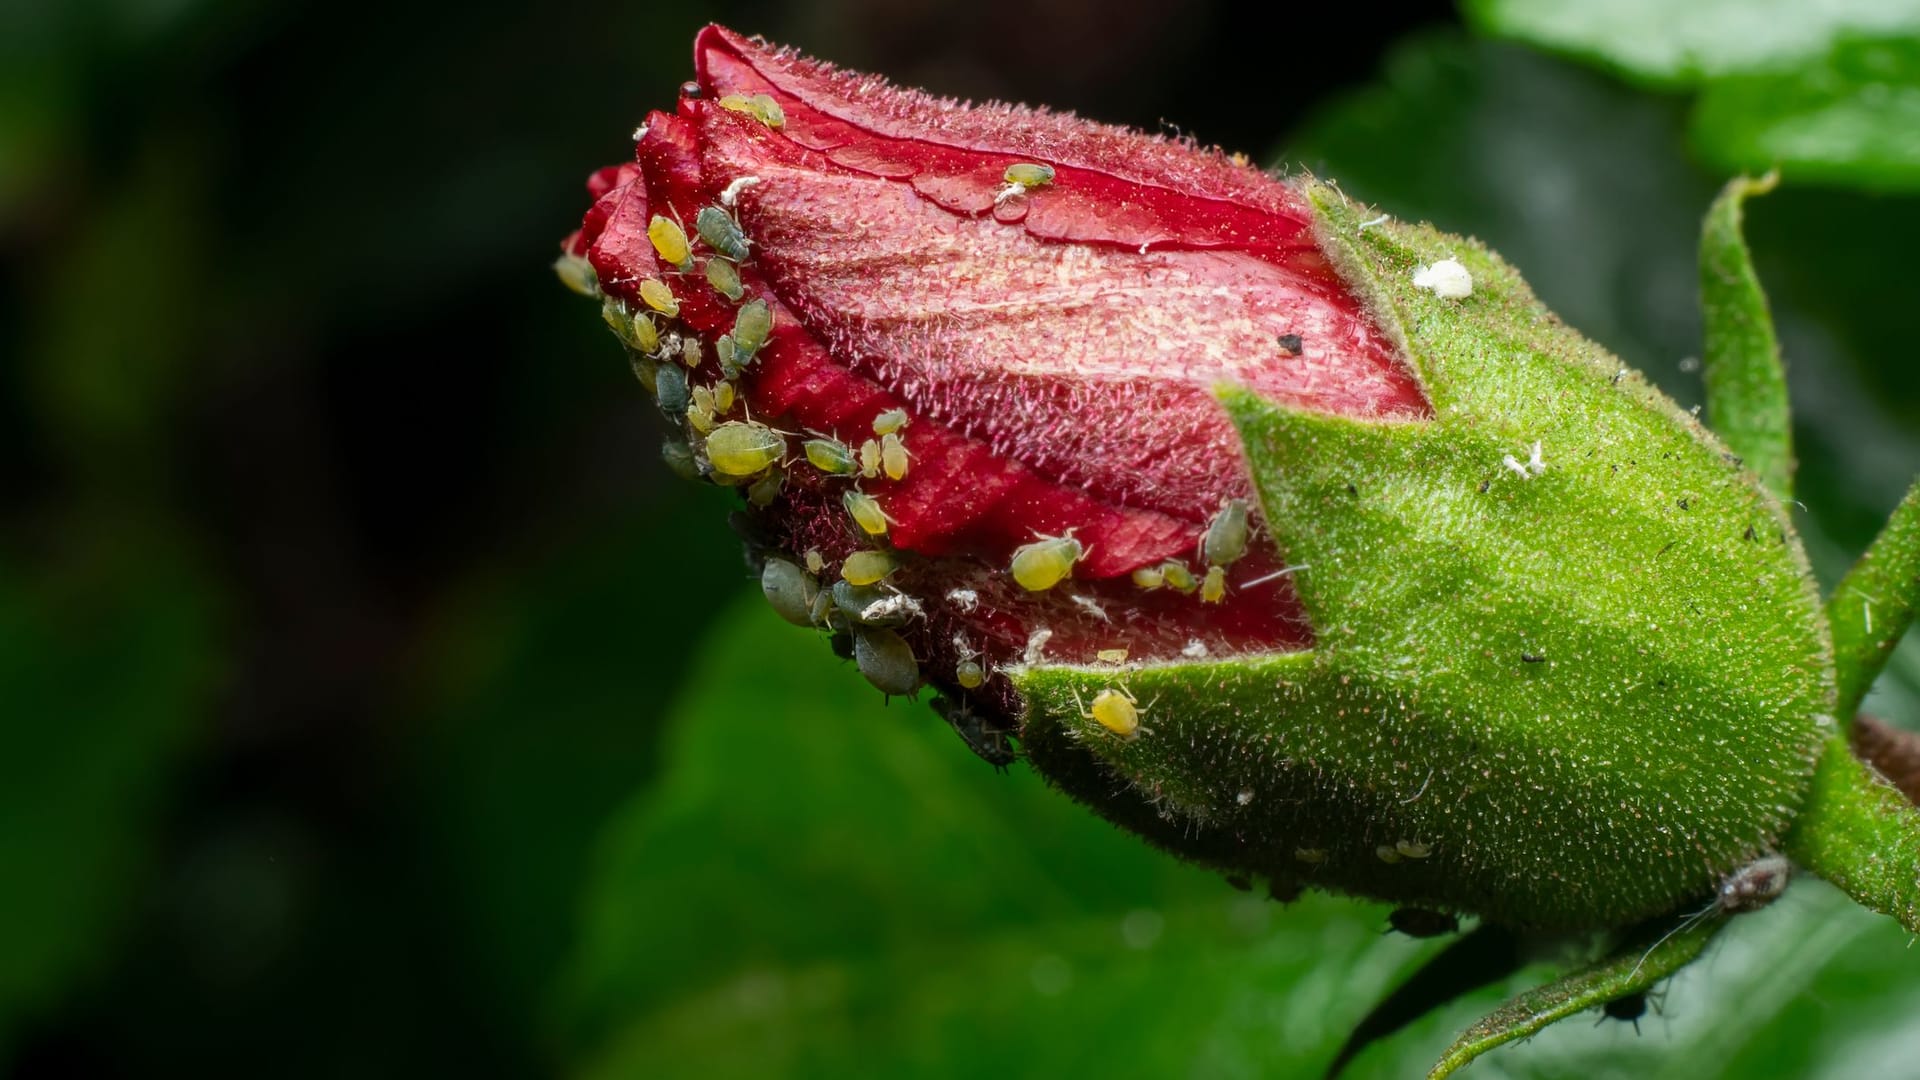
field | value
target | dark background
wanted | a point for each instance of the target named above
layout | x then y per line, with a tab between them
341	589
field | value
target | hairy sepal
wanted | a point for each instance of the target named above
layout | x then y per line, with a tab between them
1585	682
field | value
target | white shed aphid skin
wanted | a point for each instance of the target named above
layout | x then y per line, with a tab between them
1746	890
1446	279
1092	607
1529	469
965	600
1373	222
731	194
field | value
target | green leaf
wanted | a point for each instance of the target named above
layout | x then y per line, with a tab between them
1634	968
1677	44
1847	117
1746	383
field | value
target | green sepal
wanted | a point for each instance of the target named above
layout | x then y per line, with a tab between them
1858	832
1745	381
1633	968
1874	604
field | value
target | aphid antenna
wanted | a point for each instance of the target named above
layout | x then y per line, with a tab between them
1423	789
1277	574
1687	923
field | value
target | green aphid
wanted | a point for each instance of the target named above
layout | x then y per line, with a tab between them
886	660
679	457
750	329
766	489
790	590
670	386
865	511
1226	538
1175	575
723	349
576	273
890	421
722	233
1029	174
830	456
725	279
743	448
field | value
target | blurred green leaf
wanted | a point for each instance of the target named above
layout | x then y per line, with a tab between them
1682	43
1851	116
104	669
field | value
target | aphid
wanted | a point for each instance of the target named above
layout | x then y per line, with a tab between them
722	397
1387	854
830	456
1290	344
703	399
725	279
1111	656
1177	576
644	369
576	273
656	295
763	491
721	233
1312	856
679	457
646	336
870	458
969	674
1412	849
866	513
1754	885
1629	1008
750	329
690	352
670	241
743	448
670	385
1214	588
822	611
1029	174
889	421
991	744
1149	577
1117	710
867	567
761	107
723	349
614	313
1046	562
841	642
868	606
790	590
886	659
1422	923
816	562
893	456
701	417
1226	537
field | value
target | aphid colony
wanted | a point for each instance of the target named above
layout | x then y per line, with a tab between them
720	442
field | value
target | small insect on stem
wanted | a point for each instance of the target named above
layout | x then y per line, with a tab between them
1114	708
1742	892
1046	562
721	233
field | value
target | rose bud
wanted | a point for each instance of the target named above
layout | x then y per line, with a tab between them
1302	541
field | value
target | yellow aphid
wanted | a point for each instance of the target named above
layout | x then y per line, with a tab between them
816	562
1111	656
1387	854
646	371
969	674
890	421
1177	576
701	417
763	491
1045	563
1312	856
1412	849
866	513
723	397
725	279
1116	710
1029	174
1214	589
670	241
870	459
761	107
1149	577
867	567
646	336
751	325
656	295
893	456
690	351
703	398
577	274
743	448
830	456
